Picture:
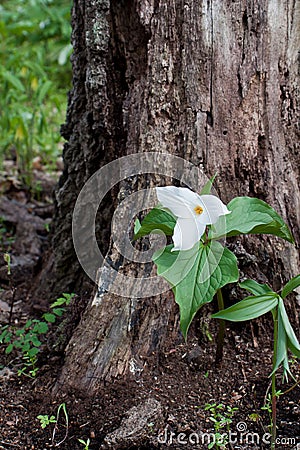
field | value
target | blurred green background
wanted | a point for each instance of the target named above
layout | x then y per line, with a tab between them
35	76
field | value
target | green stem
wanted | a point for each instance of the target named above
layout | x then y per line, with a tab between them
221	332
274	397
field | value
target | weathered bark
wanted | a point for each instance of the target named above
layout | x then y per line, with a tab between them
214	82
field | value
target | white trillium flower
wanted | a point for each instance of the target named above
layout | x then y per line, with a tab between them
193	213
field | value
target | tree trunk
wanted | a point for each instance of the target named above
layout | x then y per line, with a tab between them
213	82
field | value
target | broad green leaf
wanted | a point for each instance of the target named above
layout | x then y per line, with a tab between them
290	286
156	219
255	288
196	275
249	308
253	216
208	185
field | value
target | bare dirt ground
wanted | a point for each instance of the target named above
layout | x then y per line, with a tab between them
161	407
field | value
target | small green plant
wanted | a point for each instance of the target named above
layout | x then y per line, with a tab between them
45	420
85	443
263	300
268	406
221	416
58	307
27	339
62	407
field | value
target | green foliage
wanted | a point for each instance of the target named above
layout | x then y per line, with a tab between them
249	308
45	420
27	339
196	275
253	216
263	301
221	416
85	443
156	219
35	75
293	284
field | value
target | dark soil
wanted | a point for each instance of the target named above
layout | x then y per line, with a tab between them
170	396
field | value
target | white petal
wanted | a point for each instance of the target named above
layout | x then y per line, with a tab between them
186	233
169	197
213	209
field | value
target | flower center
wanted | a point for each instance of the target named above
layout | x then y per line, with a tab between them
198	209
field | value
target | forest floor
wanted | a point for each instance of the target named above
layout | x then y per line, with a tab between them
163	406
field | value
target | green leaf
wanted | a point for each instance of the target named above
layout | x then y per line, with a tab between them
196	275
40	327
156	219
33	352
137	226
49	317
9	349
44	91
282	348
253	216
292	341
208	185
249	308
290	286
58	311
255	288
65	300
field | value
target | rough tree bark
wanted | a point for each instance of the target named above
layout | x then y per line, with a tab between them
211	81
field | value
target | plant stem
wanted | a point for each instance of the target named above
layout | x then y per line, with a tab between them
221	332
274	397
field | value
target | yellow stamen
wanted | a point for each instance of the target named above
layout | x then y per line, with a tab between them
198	209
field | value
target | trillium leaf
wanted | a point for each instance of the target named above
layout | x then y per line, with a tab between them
292	341
137	226
249	308
196	275
253	216
290	286
208	185
156	219
286	340
255	288
282	348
